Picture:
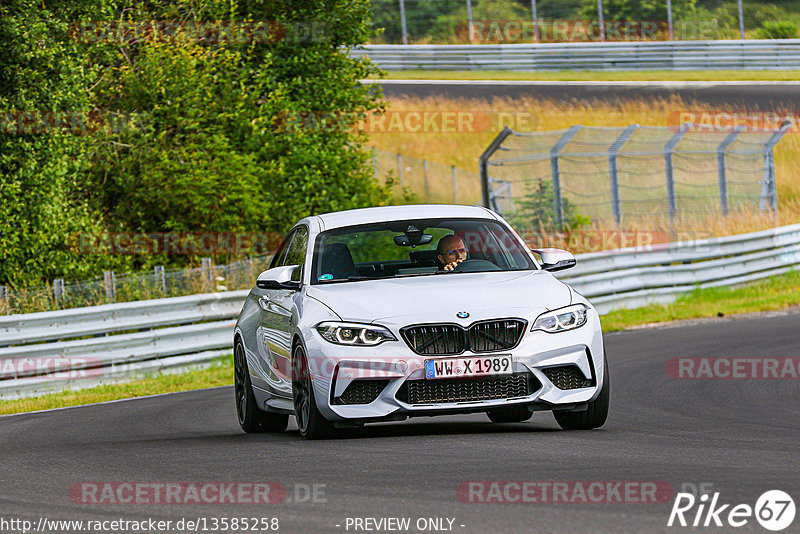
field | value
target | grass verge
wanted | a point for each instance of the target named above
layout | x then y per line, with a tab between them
774	293
582	75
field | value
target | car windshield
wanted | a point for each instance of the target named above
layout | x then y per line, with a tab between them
416	248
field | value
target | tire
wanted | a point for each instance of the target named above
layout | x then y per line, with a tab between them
513	414
594	416
310	422
251	418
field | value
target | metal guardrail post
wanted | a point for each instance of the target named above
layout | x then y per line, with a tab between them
483	163
58	289
403	22
160	278
400	168
208	272
4	298
427	185
109	282
769	192
470	23
555	173
723	179
612	169
455	184
669	148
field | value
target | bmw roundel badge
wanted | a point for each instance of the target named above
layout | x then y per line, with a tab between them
462	315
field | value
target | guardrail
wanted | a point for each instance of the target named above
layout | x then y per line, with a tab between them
773	54
634	277
82	347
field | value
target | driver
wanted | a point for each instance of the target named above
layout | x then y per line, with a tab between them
451	251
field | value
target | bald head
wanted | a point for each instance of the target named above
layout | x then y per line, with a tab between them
451	251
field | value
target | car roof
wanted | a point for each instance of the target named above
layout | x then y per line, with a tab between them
339	219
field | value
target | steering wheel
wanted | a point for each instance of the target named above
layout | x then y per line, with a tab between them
472	266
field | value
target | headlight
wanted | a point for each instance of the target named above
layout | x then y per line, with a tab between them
354	334
562	319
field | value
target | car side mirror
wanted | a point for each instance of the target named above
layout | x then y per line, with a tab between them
555	259
278	278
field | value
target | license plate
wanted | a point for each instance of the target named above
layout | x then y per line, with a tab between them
472	366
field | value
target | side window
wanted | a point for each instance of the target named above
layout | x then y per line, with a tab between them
297	252
281	252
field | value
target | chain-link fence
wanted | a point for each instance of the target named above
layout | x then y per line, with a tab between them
628	175
490	21
112	287
427	182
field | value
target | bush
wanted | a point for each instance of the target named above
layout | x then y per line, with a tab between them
778	29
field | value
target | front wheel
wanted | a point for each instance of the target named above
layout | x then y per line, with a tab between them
594	416
251	418
310	422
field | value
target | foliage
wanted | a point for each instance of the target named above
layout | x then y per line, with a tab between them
188	136
782	29
42	72
536	211
640	10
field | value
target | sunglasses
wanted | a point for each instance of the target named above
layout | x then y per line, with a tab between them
461	250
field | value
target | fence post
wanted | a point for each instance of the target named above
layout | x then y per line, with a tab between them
400	168
470	23
403	21
483	163
4	297
208	272
160	278
555	173
427	185
613	172
769	193
721	171
110	283
669	148
58	289
455	184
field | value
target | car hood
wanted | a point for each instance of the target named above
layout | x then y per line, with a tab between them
441	296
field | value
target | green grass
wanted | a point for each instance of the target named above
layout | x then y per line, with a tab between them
577	75
219	374
775	293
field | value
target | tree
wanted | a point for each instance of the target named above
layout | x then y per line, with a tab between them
638	10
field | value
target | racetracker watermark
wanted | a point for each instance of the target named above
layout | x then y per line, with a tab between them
737	368
208	492
567	491
423	121
204	32
51	367
525	31
175	243
590	240
22	122
718	121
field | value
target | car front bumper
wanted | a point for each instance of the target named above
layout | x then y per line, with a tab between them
335	367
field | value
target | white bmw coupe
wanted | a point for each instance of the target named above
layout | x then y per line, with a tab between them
381	314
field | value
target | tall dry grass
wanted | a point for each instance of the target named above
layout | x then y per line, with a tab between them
463	149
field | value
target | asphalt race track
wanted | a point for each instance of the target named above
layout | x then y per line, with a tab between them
738	435
740	96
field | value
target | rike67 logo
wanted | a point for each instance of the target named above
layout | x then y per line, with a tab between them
774	510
